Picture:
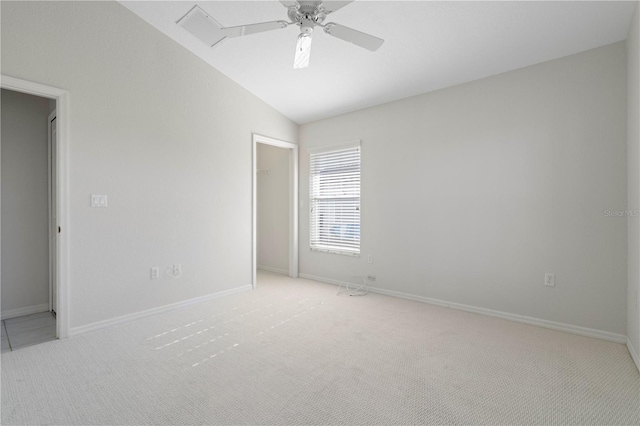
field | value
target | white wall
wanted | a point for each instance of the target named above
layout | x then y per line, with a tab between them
470	194
164	135
273	208
633	223
25	241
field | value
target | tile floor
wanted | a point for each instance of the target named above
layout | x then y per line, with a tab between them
27	330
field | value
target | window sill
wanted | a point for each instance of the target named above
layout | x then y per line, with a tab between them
336	251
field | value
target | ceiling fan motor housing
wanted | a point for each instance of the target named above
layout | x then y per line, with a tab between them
307	11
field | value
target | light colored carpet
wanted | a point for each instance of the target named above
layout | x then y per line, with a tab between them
292	352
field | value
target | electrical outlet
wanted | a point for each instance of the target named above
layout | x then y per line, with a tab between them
371	278
550	279
177	270
155	273
370	258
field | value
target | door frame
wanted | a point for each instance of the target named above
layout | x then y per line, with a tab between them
62	193
293	203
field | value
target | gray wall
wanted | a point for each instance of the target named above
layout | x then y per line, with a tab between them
164	135
633	221
470	194
273	208
25	241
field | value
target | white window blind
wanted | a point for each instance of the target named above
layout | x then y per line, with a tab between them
335	199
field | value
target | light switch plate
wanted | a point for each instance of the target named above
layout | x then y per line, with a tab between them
98	200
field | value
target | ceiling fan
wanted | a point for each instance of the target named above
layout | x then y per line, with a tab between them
308	15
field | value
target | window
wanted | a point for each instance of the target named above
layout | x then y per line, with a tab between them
335	199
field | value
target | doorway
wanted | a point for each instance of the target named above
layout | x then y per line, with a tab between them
54	198
290	210
27	318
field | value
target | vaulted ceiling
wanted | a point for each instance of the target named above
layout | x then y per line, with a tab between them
428	45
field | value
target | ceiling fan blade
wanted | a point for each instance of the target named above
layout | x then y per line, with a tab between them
288	4
242	30
332	6
353	36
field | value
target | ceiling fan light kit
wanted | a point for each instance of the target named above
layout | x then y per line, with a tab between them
303	47
308	15
303	51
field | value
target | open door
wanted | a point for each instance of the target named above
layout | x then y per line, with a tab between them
53	216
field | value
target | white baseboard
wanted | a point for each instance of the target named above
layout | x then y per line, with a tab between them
634	354
583	331
153	311
329	280
270	269
28	310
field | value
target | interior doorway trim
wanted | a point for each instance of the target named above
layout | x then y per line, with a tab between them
62	109
293	203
